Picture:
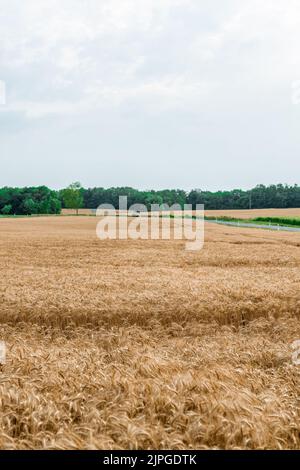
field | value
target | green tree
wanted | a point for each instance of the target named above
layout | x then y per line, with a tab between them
72	196
55	205
6	209
153	198
30	207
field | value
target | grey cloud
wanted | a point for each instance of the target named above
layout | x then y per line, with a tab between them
150	93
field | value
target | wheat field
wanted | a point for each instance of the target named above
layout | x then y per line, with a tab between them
80	212
235	213
143	345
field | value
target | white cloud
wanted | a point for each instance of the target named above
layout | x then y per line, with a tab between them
143	46
219	62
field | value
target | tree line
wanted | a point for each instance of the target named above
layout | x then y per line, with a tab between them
28	201
260	197
42	200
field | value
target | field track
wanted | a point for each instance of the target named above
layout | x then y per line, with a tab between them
140	344
270	226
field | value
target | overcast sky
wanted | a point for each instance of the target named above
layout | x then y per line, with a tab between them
150	93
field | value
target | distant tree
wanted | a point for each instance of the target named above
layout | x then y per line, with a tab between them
6	209
42	200
153	198
30	207
72	196
55	205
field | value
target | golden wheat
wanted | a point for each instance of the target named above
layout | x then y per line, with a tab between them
142	345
